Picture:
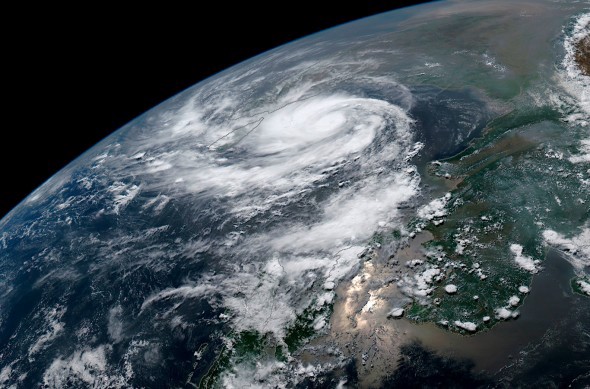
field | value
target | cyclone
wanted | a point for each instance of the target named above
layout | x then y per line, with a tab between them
287	156
394	202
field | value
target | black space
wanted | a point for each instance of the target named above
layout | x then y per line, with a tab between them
72	80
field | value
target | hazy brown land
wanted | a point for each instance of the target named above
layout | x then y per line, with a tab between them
583	55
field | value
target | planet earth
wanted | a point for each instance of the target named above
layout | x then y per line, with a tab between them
401	201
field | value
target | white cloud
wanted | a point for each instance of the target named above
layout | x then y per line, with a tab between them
576	248
434	209
584	151
54	327
353	215
263	375
467	325
115	323
122	194
585	286
87	367
5	373
523	261
182	292
514	300
503	313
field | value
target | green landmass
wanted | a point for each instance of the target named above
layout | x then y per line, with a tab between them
250	346
509	192
301	331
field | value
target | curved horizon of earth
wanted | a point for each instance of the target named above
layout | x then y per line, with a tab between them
401	200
